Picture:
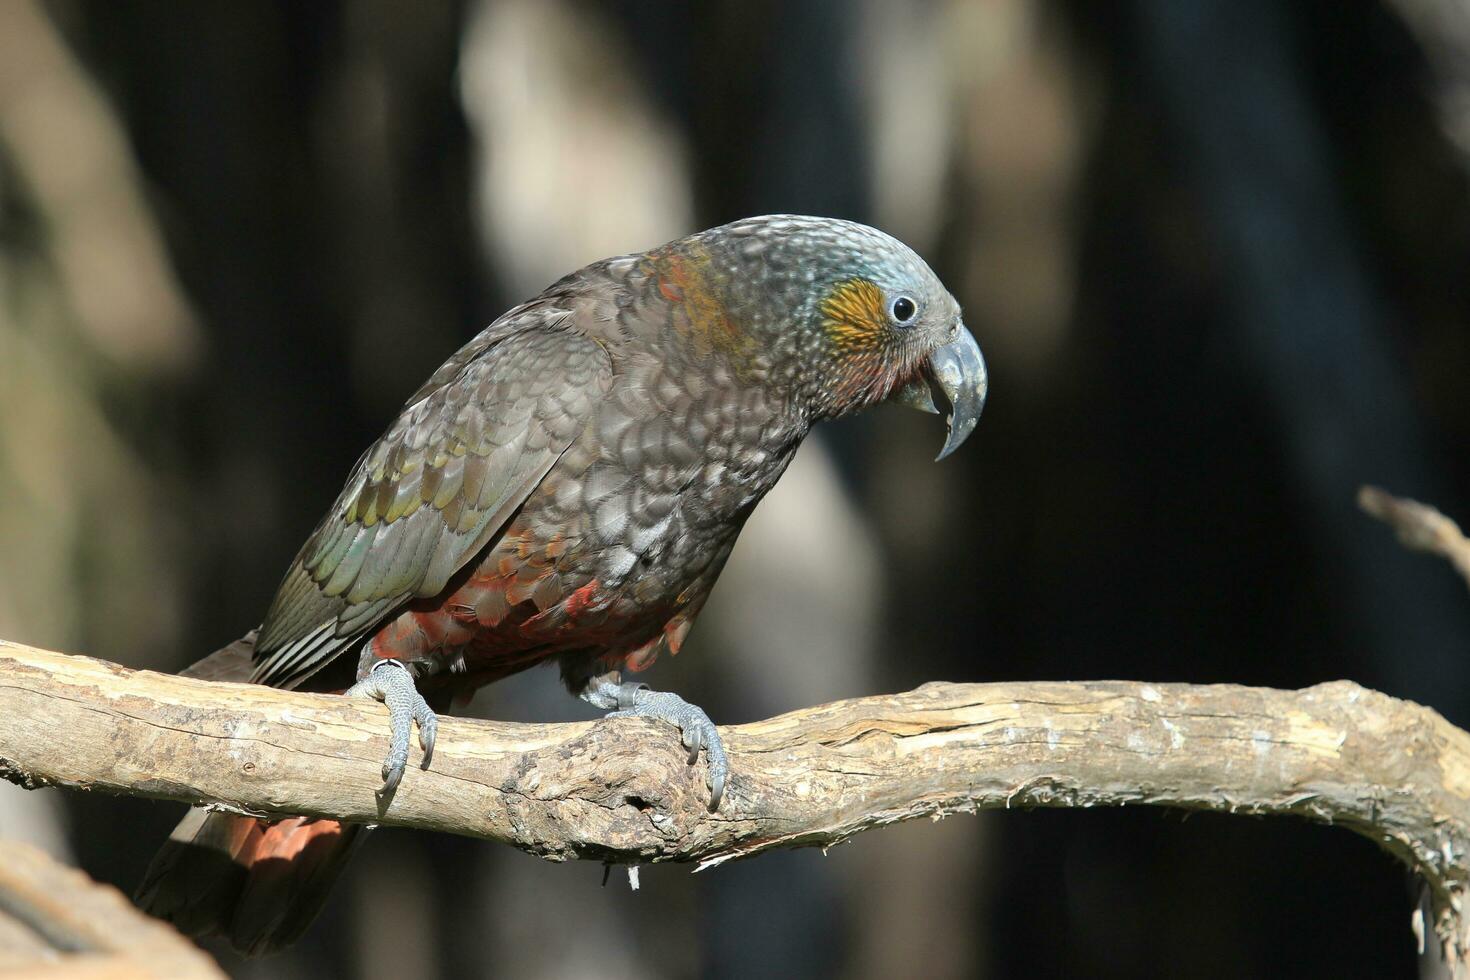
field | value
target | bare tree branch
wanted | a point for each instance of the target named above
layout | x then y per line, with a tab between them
1419	526
621	791
56	922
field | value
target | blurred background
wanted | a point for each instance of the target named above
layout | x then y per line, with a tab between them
1216	251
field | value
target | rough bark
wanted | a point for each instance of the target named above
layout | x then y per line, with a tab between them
621	791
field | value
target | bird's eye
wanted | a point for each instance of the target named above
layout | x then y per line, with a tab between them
904	309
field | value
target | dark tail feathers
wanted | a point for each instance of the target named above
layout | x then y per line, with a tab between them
257	884
229	663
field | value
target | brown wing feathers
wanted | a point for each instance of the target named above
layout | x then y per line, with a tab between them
434	490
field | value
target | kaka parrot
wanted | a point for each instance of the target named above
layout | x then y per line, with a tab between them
567	488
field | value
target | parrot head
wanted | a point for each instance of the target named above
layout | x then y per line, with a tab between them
849	317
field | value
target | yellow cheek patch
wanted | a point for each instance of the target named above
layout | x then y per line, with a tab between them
853	315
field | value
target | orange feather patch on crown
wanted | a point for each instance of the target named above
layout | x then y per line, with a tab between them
854	317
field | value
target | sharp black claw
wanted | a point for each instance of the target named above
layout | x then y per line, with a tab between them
391	779
695	740
428	733
717	792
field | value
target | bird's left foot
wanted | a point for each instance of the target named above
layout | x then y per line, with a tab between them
633	699
391	682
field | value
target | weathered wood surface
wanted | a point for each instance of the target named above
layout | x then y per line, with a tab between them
621	791
56	922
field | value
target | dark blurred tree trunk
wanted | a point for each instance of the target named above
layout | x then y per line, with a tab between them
1308	322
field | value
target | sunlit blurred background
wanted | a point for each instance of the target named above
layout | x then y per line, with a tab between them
1217	253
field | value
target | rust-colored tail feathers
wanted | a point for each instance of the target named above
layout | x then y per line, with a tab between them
257	884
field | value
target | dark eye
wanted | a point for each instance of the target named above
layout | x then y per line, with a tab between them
904	309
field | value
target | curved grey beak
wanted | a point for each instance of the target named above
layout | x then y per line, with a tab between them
951	379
